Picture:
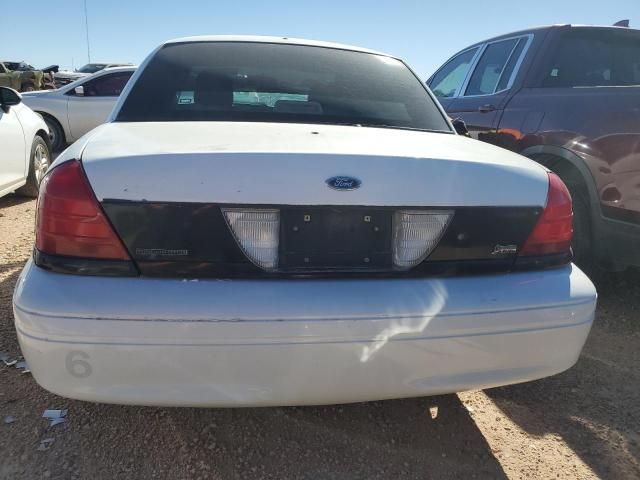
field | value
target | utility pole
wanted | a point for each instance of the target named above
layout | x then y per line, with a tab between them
86	27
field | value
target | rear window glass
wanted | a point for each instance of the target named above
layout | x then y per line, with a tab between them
489	70
595	58
245	81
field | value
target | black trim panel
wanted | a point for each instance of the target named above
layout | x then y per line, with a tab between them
474	232
84	266
543	261
193	240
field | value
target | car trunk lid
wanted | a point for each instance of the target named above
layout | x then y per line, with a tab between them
288	164
168	188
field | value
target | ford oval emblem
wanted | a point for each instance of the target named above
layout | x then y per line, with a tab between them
343	183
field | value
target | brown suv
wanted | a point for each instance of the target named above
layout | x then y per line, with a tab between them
568	97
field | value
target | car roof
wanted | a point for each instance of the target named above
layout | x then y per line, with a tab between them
266	39
124	68
547	27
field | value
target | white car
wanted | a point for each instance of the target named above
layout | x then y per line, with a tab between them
63	77
270	221
76	108
24	146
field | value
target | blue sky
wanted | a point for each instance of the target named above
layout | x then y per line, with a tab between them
424	33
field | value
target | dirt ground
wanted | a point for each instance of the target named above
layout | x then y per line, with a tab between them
584	423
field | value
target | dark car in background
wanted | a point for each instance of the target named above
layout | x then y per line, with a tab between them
568	97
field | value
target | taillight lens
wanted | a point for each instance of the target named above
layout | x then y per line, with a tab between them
258	234
552	234
69	219
415	234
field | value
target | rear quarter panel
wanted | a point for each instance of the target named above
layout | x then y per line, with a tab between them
32	123
599	124
51	104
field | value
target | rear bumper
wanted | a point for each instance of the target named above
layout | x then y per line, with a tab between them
296	342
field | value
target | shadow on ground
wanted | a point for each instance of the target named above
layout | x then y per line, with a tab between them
9	273
595	405
392	439
12	200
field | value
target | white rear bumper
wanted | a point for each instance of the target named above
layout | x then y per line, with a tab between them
294	342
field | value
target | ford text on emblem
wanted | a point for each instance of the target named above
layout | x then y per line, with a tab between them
343	183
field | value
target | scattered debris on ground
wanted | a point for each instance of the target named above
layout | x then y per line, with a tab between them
45	444
55	417
18	363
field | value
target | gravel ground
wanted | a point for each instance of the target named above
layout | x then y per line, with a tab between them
584	423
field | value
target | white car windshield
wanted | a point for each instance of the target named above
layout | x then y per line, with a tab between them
247	81
92	67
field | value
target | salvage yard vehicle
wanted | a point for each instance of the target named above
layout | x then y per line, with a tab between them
271	221
24	78
567	97
64	77
24	148
74	109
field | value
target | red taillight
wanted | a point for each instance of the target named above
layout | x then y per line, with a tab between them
552	234
69	220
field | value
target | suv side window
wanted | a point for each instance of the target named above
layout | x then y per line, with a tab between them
449	78
110	85
489	71
595	58
503	84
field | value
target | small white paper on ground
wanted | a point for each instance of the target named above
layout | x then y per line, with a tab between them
45	443
55	416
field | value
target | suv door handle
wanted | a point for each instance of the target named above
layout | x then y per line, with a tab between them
486	108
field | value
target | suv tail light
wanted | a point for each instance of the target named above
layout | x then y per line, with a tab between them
554	229
70	221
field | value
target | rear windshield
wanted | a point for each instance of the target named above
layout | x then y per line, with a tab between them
595	57
263	82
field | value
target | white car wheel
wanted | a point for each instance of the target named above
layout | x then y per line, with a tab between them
56	135
40	162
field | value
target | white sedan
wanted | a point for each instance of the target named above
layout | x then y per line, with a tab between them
76	108
268	221
24	146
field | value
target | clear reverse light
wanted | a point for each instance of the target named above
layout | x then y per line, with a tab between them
415	235
258	232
